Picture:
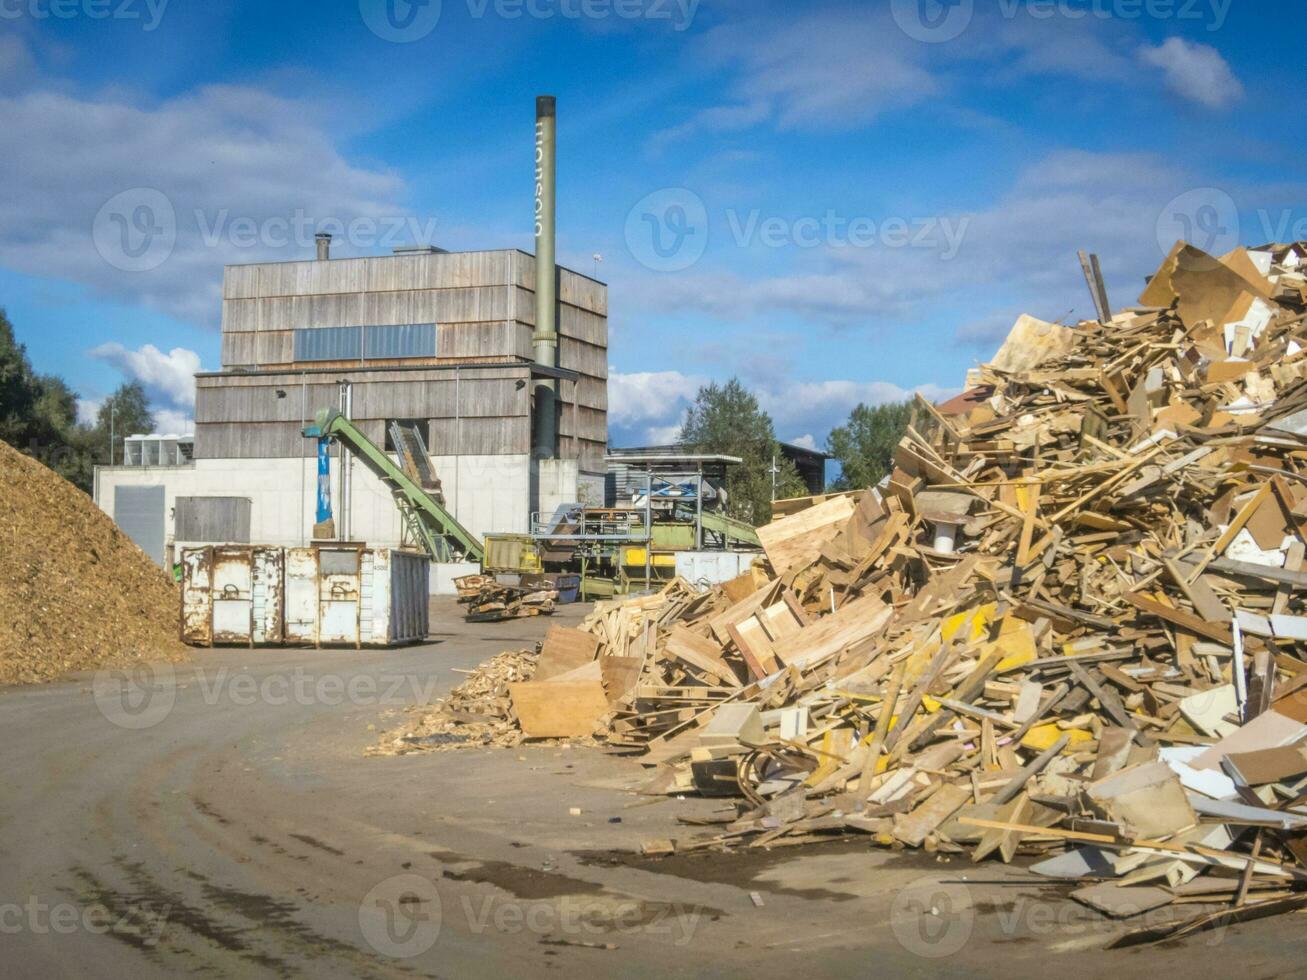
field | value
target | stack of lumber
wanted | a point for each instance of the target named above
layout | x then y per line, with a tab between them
489	601
1071	624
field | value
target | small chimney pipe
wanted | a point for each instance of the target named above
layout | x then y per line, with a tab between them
545	338
324	245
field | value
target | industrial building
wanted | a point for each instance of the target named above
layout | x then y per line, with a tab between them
501	367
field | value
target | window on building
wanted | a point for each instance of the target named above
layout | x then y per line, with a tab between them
404	340
365	343
329	344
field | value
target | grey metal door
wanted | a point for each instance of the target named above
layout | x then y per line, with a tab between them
139	512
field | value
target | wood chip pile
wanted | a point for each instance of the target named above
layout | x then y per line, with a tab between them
75	592
1072	625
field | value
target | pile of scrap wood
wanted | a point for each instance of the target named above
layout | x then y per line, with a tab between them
1071	624
489	600
477	712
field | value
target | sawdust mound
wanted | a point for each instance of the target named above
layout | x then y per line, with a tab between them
75	592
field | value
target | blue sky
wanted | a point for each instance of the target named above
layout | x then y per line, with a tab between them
837	202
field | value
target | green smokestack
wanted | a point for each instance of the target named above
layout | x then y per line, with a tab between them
545	442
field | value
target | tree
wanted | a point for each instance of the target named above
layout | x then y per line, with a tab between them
727	419
18	394
124	413
864	445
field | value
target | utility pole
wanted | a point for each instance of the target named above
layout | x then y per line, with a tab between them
113	410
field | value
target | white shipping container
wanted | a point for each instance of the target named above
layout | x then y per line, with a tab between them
232	595
342	596
324	595
704	569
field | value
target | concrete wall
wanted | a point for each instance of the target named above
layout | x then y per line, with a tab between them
487	494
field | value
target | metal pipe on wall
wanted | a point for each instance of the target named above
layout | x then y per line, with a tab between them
545	337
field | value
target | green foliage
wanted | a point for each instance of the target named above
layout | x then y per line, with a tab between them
728	419
38	416
864	445
18	392
125	413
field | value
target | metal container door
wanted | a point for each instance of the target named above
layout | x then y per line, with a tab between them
339	581
301	596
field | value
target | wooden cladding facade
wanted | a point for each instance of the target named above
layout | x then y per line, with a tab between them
475	390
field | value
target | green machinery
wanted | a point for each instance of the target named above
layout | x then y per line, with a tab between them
426	521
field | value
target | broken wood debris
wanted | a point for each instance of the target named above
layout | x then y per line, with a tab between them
1071	622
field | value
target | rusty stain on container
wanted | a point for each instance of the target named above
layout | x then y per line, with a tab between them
315	596
232	595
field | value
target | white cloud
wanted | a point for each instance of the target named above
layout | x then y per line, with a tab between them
88	409
823	68
805	441
170	422
1196	72
169	376
650	397
218	155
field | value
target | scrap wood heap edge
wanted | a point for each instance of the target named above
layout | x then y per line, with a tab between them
1070	624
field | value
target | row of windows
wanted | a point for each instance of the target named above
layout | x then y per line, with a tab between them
365	343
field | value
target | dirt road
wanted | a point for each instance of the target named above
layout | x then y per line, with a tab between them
229	823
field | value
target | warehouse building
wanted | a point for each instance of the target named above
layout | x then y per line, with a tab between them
440	338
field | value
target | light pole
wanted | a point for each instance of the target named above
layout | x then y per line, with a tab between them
113	410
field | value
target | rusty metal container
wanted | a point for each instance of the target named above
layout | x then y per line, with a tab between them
232	595
325	595
350	596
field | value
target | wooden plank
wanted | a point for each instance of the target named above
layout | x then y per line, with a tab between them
559	709
700	653
798	539
565	648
